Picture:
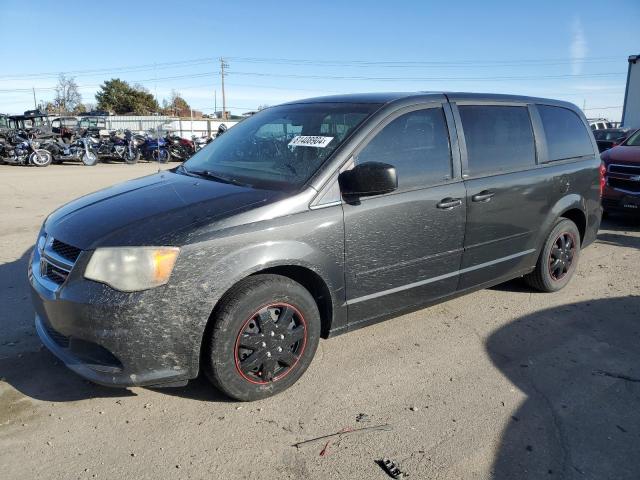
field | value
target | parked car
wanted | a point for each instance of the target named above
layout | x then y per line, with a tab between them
311	219
600	124
610	137
622	188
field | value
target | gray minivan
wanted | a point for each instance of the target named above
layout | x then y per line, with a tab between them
311	219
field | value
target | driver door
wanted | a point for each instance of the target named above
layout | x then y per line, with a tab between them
404	249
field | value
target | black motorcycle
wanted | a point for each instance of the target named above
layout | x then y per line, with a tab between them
23	149
123	145
79	149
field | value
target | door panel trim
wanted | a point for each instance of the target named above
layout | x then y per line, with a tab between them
439	277
398	266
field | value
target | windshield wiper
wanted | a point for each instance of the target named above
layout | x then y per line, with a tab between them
216	177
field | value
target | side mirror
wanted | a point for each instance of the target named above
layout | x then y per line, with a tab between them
370	178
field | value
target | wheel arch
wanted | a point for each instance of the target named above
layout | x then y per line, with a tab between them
572	207
577	216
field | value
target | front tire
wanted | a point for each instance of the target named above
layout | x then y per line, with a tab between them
89	159
131	158
41	158
265	334
558	259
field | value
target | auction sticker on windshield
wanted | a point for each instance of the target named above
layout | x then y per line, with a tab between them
310	141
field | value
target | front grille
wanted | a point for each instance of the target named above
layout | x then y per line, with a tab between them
54	273
56	336
69	252
632	186
625	169
57	259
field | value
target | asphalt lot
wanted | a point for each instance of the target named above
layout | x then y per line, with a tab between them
501	384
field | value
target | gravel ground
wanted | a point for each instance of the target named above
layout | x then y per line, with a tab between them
504	383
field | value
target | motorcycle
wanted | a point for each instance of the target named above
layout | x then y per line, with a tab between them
180	149
200	142
80	149
120	144
155	148
23	149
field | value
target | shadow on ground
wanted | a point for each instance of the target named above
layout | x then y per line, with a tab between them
579	366
29	367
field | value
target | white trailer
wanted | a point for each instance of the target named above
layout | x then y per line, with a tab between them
631	107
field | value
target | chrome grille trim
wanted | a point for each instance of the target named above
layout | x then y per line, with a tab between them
53	268
624	178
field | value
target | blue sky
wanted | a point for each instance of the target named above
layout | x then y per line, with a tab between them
279	51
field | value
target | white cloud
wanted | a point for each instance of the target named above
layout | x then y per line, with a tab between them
578	47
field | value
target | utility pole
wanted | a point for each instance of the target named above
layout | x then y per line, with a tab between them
215	102
35	104
224	99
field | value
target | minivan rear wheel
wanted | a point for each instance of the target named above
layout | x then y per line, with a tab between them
264	336
558	259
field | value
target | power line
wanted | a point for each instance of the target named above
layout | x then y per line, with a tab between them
323	63
418	63
430	79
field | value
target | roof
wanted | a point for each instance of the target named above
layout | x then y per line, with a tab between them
387	97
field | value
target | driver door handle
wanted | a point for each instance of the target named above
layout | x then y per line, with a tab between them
449	203
483	196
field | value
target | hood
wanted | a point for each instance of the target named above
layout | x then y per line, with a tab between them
151	210
622	154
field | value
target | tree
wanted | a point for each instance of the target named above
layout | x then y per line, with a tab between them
67	96
118	96
47	107
80	108
176	105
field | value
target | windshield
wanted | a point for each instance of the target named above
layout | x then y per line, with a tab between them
280	147
634	140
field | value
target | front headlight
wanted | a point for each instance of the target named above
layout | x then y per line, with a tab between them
132	268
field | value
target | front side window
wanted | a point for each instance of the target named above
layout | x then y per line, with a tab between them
634	140
417	145
280	147
498	138
565	133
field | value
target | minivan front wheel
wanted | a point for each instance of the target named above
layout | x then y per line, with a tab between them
265	335
559	258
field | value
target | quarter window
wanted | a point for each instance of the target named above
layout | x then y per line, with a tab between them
566	135
498	138
417	145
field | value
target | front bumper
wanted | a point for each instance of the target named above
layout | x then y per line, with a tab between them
114	338
614	200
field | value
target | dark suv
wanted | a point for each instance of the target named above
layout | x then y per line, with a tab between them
311	219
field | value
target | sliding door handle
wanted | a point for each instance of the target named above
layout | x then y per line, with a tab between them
449	203
483	196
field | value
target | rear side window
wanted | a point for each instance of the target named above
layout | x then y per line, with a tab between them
417	144
498	138
565	133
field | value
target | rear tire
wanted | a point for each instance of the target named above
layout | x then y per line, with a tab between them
251	355
558	259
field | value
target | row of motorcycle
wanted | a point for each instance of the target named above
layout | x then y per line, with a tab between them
36	148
